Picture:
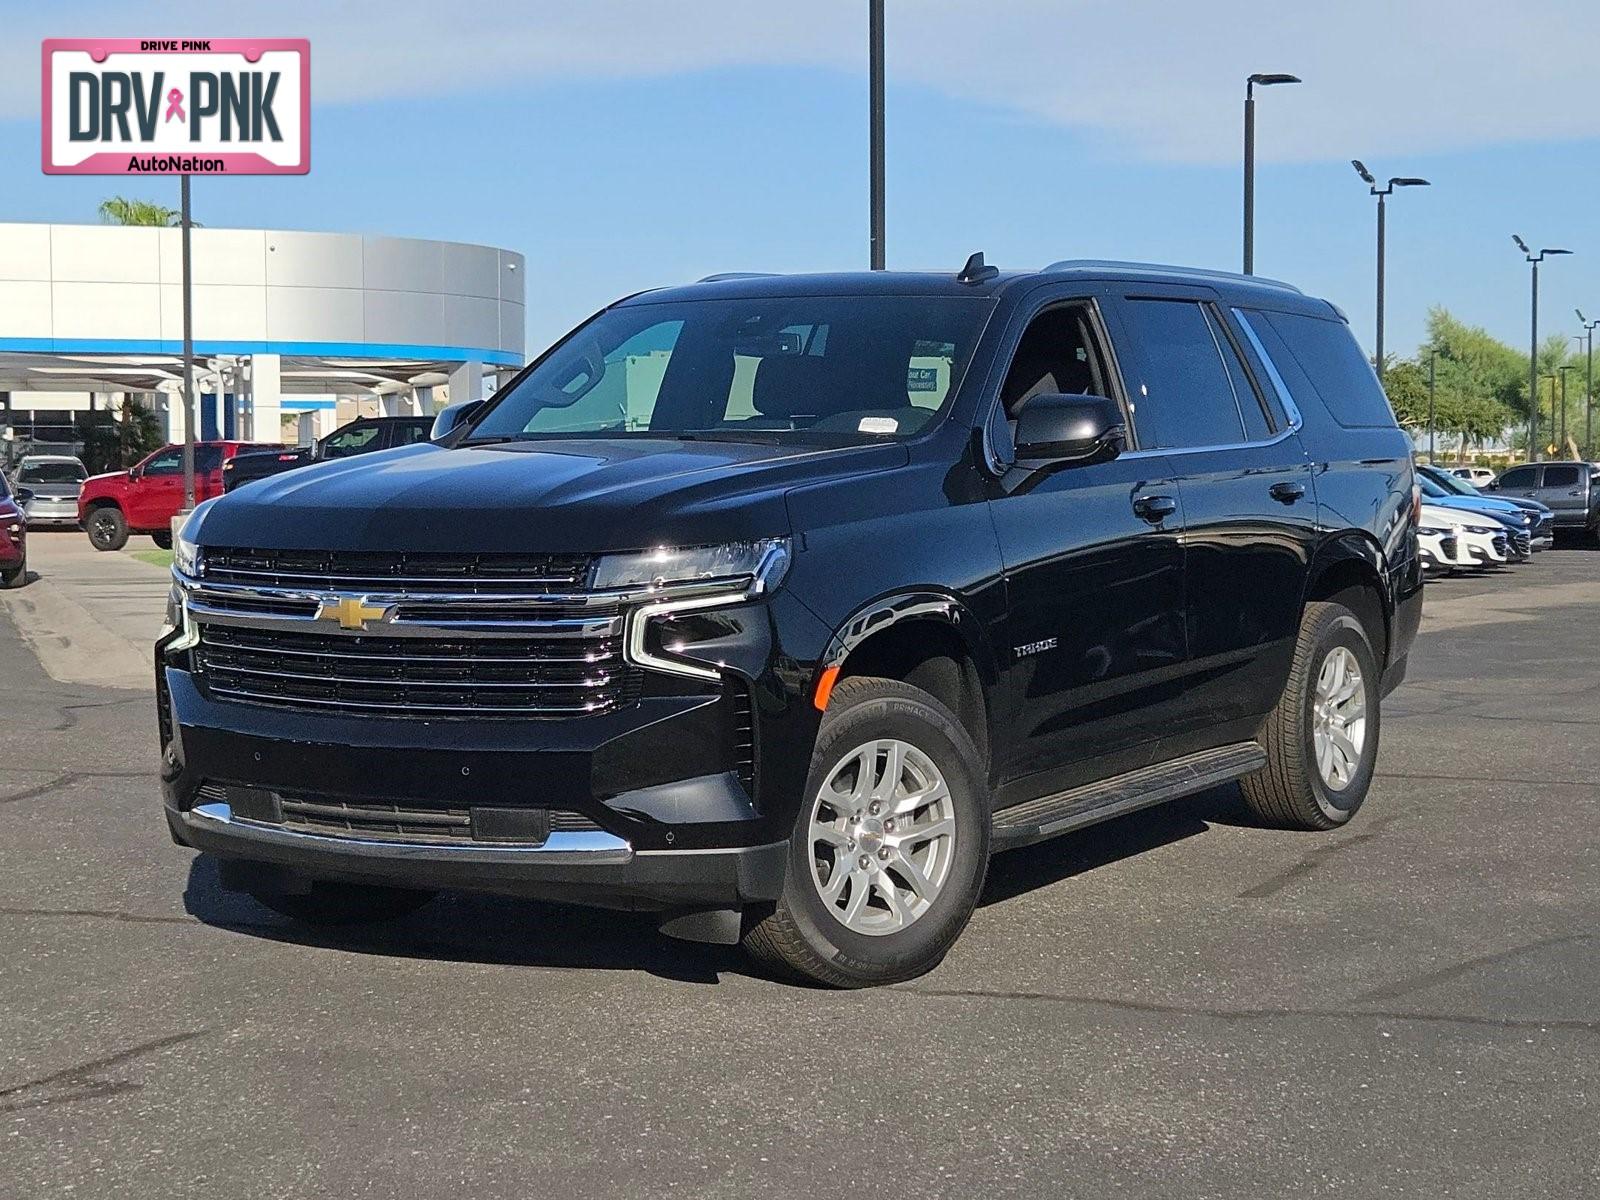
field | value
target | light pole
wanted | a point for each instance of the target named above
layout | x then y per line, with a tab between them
875	88
1250	86
1552	379
1533	343
1588	383
1561	441
1382	193
1433	359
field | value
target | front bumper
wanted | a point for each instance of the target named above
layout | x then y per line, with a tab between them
581	868
52	514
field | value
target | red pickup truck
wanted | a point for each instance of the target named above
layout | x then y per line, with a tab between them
145	498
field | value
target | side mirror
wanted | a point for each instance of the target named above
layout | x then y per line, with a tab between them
23	496
452	417
135	472
1493	485
1070	429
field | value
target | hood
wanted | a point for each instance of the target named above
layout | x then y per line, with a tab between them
1482	504
1438	516
556	495
53	491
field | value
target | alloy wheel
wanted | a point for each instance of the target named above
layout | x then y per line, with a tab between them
882	836
1339	718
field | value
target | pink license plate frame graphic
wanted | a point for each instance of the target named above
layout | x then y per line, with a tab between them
228	162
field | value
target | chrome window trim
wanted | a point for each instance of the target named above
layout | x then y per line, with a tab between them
1278	385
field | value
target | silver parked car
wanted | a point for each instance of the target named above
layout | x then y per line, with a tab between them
55	481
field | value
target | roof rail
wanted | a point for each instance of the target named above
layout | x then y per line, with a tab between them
718	278
1092	264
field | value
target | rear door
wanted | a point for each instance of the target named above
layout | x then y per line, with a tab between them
1248	502
1564	490
207	473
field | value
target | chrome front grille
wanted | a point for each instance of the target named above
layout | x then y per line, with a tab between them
413	574
408	677
408	635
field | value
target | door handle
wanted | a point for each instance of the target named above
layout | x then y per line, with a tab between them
1287	491
1155	509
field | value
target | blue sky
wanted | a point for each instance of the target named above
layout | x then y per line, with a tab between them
623	145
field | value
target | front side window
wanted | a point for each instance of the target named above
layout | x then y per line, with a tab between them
1520	477
354	439
1183	396
1561	477
51	472
803	368
167	462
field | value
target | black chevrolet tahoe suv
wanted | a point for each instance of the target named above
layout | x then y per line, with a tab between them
775	605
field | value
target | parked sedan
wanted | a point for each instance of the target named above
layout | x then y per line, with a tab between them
55	481
1439	549
13	535
1480	541
1517	522
1541	529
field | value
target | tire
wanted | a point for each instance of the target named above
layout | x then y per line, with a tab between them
17	576
162	538
806	934
107	528
1292	791
344	903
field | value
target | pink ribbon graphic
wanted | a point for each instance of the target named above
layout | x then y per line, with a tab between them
175	106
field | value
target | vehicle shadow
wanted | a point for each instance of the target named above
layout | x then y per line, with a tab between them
495	930
1016	872
507	931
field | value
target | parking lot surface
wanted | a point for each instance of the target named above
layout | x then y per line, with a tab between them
1177	1004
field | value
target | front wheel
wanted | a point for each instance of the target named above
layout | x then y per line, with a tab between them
162	539
107	528
17	576
891	845
344	903
1322	739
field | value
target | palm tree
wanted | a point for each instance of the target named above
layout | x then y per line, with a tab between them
119	210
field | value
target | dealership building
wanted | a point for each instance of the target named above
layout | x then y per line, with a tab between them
294	332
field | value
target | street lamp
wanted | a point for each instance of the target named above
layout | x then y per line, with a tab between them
1588	383
1533	343
1563	369
1250	86
1381	194
1433	359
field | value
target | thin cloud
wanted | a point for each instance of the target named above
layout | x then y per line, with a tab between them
1152	80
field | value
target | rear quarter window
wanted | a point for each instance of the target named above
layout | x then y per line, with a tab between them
1338	372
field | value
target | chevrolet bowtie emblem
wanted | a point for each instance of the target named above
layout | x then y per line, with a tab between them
352	612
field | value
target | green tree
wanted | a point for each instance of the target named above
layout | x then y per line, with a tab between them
109	444
119	210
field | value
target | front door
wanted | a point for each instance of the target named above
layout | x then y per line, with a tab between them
1094	638
1565	491
158	491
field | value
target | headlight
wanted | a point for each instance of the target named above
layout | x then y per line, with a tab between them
760	564
186	556
1429	531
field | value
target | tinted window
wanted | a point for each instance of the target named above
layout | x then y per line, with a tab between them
786	368
1256	427
1338	371
1520	477
352	439
411	431
206	459
51	472
1561	477
1183	396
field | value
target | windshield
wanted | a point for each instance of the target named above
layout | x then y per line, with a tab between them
808	368
1453	483
51	472
1430	488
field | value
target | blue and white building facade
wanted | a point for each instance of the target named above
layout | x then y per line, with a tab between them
295	332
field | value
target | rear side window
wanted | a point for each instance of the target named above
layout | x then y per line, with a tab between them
411	431
1184	397
1338	371
1520	477
1561	477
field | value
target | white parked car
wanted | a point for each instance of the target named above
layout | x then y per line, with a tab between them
1476	476
1439	548
1478	543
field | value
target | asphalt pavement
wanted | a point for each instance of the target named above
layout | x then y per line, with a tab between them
1177	1004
